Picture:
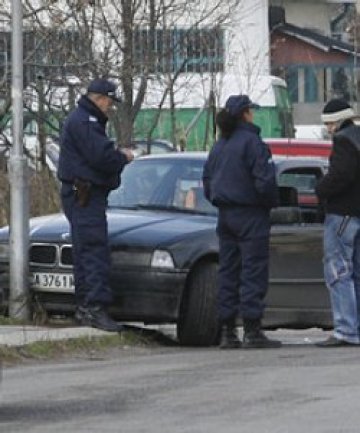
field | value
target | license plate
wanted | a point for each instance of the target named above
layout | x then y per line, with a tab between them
51	282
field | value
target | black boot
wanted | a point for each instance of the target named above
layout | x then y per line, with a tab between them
254	338
96	317
229	336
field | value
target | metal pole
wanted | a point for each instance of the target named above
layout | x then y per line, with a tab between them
41	120
355	96
18	177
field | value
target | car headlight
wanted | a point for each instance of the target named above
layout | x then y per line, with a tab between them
4	253
162	259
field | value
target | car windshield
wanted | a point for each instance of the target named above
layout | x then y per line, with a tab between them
303	182
163	184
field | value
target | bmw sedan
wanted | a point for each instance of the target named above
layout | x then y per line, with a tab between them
165	250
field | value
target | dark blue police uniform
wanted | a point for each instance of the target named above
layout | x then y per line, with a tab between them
86	153
239	178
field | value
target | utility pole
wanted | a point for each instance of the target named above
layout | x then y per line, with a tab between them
18	177
41	119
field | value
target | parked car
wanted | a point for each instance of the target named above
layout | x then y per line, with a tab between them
142	147
165	250
300	147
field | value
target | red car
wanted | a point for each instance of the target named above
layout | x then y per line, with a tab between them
299	147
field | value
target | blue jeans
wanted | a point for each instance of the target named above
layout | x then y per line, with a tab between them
342	274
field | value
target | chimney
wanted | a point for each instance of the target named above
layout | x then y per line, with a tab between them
277	16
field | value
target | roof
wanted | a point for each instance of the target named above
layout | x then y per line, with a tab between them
316	39
306	142
201	156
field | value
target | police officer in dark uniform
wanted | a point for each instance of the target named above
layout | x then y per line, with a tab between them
89	168
239	179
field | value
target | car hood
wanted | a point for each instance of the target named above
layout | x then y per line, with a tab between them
127	227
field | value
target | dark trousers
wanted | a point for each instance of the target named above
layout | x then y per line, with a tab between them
243	262
90	251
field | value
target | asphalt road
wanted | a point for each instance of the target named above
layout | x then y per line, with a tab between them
296	389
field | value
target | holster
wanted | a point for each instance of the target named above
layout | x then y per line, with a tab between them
82	190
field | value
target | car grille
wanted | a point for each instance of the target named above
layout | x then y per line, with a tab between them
66	256
43	254
50	255
61	255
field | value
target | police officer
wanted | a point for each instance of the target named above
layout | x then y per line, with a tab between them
89	168
239	179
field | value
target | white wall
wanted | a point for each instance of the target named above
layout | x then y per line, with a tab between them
309	13
248	39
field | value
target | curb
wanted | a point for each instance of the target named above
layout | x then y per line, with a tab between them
17	336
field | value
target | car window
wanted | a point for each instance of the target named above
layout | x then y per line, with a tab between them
155	147
189	178
159	148
171	183
139	182
304	180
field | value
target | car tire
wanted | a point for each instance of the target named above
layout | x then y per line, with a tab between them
198	322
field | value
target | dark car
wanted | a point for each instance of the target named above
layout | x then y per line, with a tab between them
165	250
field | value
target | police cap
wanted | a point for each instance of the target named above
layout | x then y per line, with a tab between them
104	87
238	103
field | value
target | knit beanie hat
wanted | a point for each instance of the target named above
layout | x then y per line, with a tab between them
337	110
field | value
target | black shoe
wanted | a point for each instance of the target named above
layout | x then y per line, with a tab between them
254	337
229	337
334	342
258	340
96	317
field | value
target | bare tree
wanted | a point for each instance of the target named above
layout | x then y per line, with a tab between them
127	40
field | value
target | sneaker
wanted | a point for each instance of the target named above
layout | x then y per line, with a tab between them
258	340
97	317
334	342
229	338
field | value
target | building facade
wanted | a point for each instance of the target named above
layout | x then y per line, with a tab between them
312	51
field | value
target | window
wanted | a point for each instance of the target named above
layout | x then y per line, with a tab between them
171	50
311	85
3	65
304	180
51	52
292	79
164	183
341	83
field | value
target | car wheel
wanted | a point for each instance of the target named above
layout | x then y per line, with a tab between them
198	323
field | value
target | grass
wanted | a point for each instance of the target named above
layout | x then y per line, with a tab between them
89	346
9	321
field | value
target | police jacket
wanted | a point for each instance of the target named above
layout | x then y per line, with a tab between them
240	171
85	150
339	189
